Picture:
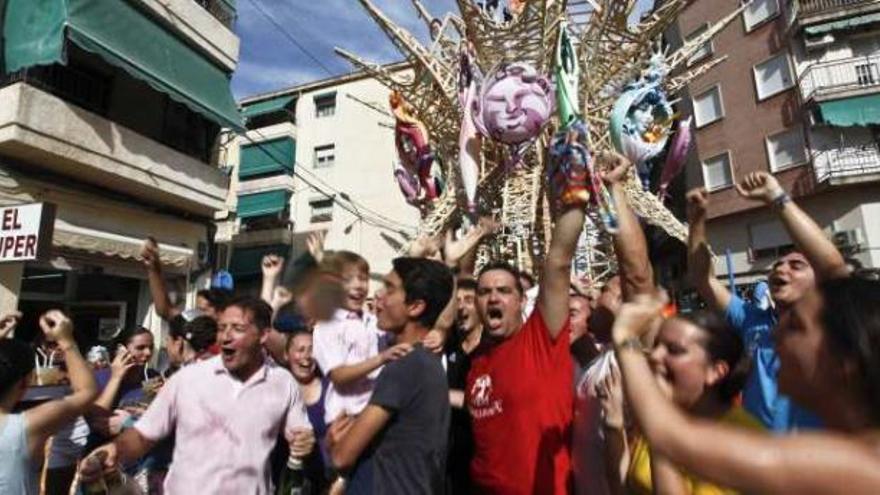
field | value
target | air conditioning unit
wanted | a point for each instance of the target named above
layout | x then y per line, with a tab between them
846	239
818	43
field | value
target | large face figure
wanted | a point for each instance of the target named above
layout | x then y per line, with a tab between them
515	104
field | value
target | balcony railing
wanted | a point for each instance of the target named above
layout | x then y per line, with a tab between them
221	10
839	76
811	7
848	163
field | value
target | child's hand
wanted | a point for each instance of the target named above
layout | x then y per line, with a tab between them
396	352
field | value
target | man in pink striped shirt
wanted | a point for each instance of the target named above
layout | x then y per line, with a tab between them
226	414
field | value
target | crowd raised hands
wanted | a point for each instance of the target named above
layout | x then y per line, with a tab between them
728	398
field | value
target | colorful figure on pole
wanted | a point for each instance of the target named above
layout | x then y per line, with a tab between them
470	142
514	104
571	178
415	175
675	157
642	118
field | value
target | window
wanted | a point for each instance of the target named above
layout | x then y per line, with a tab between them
322	210
325	105
716	172
708	107
773	76
759	12
786	149
768	240
705	50
325	156
866	74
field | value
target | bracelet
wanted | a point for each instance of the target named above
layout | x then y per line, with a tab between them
780	200
630	343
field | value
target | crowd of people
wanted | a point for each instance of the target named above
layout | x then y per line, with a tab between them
451	381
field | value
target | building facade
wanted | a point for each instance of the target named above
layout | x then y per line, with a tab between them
799	97
316	157
112	110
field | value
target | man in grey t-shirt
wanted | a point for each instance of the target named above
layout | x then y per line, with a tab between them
397	445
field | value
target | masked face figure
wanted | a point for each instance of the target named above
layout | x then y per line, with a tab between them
514	104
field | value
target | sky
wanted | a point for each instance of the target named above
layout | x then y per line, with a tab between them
270	59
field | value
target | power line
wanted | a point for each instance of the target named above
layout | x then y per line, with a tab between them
290	37
393	226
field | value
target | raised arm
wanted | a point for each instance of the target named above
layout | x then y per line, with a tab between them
809	238
122	362
150	256
630	246
46	419
553	292
741	459
459	253
700	268
271	265
617	455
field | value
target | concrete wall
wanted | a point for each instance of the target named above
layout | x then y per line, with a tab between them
365	156
747	120
47	132
837	210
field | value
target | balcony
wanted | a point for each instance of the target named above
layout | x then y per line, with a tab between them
205	23
844	78
848	165
41	130
814	11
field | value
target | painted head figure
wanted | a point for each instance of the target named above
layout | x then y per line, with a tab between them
514	104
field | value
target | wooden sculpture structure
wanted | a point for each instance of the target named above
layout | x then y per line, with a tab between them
611	53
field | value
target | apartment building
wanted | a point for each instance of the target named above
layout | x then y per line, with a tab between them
798	96
112	110
316	157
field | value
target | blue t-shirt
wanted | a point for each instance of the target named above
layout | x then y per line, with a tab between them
761	396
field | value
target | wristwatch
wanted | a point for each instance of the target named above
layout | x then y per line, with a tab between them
780	200
630	343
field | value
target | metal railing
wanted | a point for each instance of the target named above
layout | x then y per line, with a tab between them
810	7
840	75
222	10
847	162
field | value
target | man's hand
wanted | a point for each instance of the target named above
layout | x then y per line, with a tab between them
102	460
635	318
150	254
122	362
760	186
396	352
424	247
697	203
272	265
8	322
613	168
301	441
56	326
315	245
433	341
338	429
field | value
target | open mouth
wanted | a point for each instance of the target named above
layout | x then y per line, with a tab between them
494	315
227	352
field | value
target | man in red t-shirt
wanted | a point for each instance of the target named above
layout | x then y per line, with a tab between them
520	386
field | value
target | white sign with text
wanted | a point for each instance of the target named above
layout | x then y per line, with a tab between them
26	231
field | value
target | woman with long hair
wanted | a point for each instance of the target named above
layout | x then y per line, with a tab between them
829	351
700	365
